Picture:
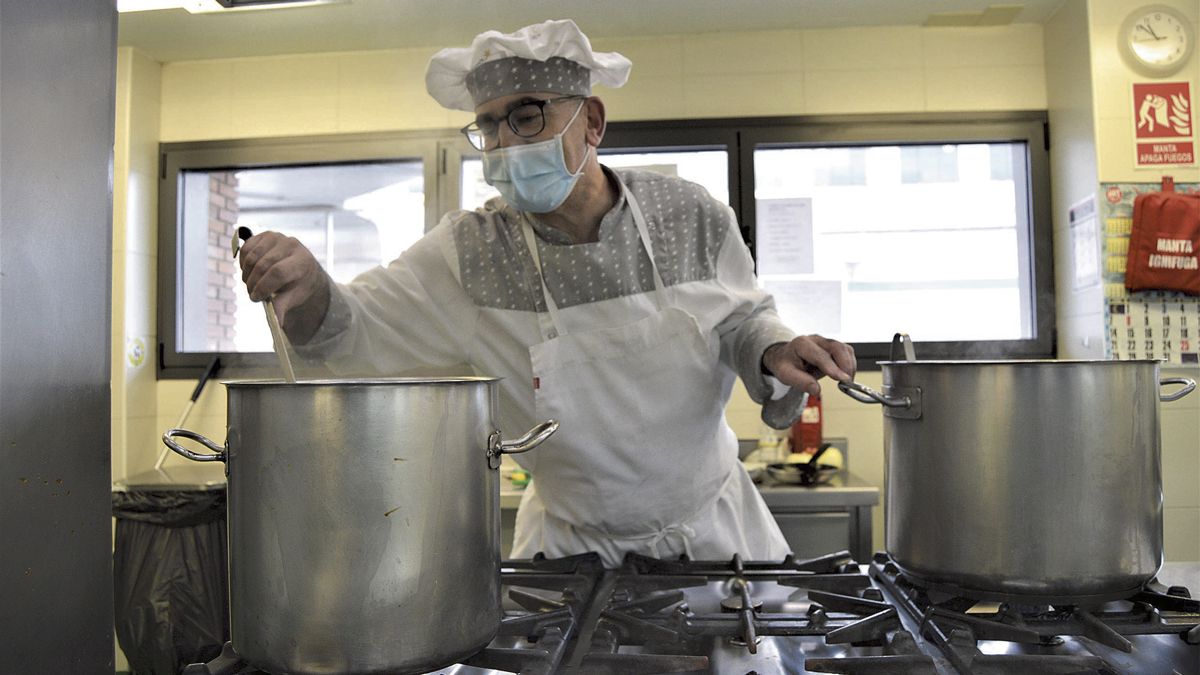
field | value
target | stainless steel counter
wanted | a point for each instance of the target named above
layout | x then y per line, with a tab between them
820	519
1181	574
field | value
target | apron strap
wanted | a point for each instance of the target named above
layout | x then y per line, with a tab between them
660	295
644	233
551	306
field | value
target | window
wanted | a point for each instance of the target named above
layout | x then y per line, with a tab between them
355	205
351	216
940	229
928	247
860	226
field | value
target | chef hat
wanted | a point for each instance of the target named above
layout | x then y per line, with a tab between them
554	56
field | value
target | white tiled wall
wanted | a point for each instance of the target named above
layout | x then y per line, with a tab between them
711	75
299	95
1181	471
1073	173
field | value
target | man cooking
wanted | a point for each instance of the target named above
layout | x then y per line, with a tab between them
621	303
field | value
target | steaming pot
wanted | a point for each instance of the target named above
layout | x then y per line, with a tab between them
1036	480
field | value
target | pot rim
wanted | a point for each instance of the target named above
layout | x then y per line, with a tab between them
366	382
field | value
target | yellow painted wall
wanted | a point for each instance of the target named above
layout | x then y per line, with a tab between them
1113	100
711	75
135	236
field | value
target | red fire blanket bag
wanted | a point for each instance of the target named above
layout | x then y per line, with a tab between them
1164	245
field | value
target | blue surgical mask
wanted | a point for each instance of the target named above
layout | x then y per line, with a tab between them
533	177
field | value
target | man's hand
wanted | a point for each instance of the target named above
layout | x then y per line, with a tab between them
804	360
281	268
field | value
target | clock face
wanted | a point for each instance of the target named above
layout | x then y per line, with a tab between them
1157	38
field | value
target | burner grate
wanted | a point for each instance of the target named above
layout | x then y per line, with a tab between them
649	606
957	633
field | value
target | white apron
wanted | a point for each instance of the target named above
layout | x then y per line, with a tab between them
644	460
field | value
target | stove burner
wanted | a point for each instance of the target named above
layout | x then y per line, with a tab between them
738	641
735	603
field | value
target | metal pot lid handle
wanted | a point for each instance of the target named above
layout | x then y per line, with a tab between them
902	348
169	436
1188	385
532	438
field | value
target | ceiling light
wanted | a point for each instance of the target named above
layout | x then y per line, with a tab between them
993	15
147	5
211	6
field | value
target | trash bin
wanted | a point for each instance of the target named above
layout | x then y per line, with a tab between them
171	580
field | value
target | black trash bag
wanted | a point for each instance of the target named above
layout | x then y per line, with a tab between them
170	577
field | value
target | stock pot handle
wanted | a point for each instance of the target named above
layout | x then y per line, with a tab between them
194	456
532	438
864	394
1188	385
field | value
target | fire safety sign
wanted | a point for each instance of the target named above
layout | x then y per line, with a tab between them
1164	128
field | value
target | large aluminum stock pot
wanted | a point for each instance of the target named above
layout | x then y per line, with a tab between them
1038	480
364	521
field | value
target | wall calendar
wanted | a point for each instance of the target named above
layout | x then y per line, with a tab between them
1145	324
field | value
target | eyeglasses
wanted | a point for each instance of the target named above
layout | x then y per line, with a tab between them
525	120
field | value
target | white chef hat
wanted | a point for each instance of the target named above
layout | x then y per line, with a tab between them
553	56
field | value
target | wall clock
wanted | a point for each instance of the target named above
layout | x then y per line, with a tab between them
1157	40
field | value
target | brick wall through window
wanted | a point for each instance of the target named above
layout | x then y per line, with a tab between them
223	273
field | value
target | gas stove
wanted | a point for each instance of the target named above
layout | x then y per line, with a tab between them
823	615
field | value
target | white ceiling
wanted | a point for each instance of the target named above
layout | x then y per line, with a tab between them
176	35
